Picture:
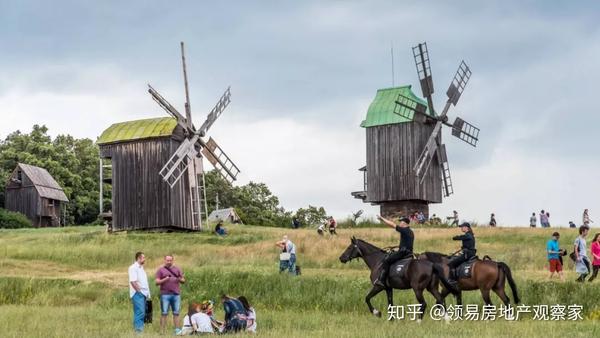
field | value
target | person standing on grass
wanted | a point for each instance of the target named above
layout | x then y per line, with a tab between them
554	253
543	219
405	249
454	218
596	256
532	220
586	218
139	290
168	278
582	263
493	220
332	226
288	247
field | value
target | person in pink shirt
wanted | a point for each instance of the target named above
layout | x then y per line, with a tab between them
595	248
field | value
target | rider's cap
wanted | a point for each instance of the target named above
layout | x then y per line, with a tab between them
556	234
466	224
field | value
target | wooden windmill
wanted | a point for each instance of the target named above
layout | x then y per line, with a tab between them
407	166
188	157
156	167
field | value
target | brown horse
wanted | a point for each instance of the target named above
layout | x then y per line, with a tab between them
486	275
420	275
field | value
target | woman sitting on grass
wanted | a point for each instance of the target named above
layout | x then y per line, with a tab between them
250	315
196	320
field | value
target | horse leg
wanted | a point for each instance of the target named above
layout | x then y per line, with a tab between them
459	298
436	294
390	296
421	300
500	292
485	293
374	291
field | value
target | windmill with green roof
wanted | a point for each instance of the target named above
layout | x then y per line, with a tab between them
407	166
156	167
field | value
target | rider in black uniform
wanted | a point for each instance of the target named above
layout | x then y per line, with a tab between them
405	250
467	249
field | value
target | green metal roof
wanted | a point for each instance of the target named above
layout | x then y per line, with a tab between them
381	110
139	129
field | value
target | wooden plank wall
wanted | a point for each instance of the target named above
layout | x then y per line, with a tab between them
392	151
24	199
140	198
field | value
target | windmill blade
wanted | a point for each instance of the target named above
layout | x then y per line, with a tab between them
423	162
164	104
459	82
178	163
421	56
445	168
220	161
216	112
465	131
407	107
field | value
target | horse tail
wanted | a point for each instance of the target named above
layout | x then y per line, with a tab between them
511	281
438	271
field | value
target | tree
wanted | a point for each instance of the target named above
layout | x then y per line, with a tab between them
311	216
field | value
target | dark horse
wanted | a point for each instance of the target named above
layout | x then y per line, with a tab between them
486	275
420	275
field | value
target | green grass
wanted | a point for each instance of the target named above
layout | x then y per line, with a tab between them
71	282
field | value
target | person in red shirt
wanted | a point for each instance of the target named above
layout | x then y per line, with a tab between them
332	226
595	248
168	278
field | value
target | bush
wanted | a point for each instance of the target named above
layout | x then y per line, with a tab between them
13	220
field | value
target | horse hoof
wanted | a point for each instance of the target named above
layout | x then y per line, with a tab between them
376	313
418	321
447	319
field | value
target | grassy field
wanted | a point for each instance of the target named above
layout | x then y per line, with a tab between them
72	282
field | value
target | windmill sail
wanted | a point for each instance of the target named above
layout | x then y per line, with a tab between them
222	163
407	107
216	111
421	56
176	166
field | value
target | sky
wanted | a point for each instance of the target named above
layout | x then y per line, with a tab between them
302	76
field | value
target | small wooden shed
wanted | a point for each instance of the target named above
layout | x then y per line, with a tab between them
226	215
141	200
33	192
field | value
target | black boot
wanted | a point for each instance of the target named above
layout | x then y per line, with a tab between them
380	281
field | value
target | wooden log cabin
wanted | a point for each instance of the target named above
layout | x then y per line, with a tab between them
33	192
393	145
141	200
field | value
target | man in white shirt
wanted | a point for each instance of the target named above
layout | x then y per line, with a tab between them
139	290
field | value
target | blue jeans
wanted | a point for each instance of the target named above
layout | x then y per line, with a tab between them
292	264
172	301
139	311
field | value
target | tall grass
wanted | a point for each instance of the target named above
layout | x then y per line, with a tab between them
74	280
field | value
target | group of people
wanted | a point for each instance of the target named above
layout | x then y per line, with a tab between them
405	249
239	314
330	223
544	217
579	255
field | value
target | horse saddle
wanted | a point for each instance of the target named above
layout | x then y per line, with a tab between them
398	269
465	269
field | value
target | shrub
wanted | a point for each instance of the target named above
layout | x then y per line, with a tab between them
13	220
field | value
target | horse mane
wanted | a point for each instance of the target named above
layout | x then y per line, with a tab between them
370	246
434	257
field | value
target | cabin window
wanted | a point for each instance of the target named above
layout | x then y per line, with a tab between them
50	202
19	175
